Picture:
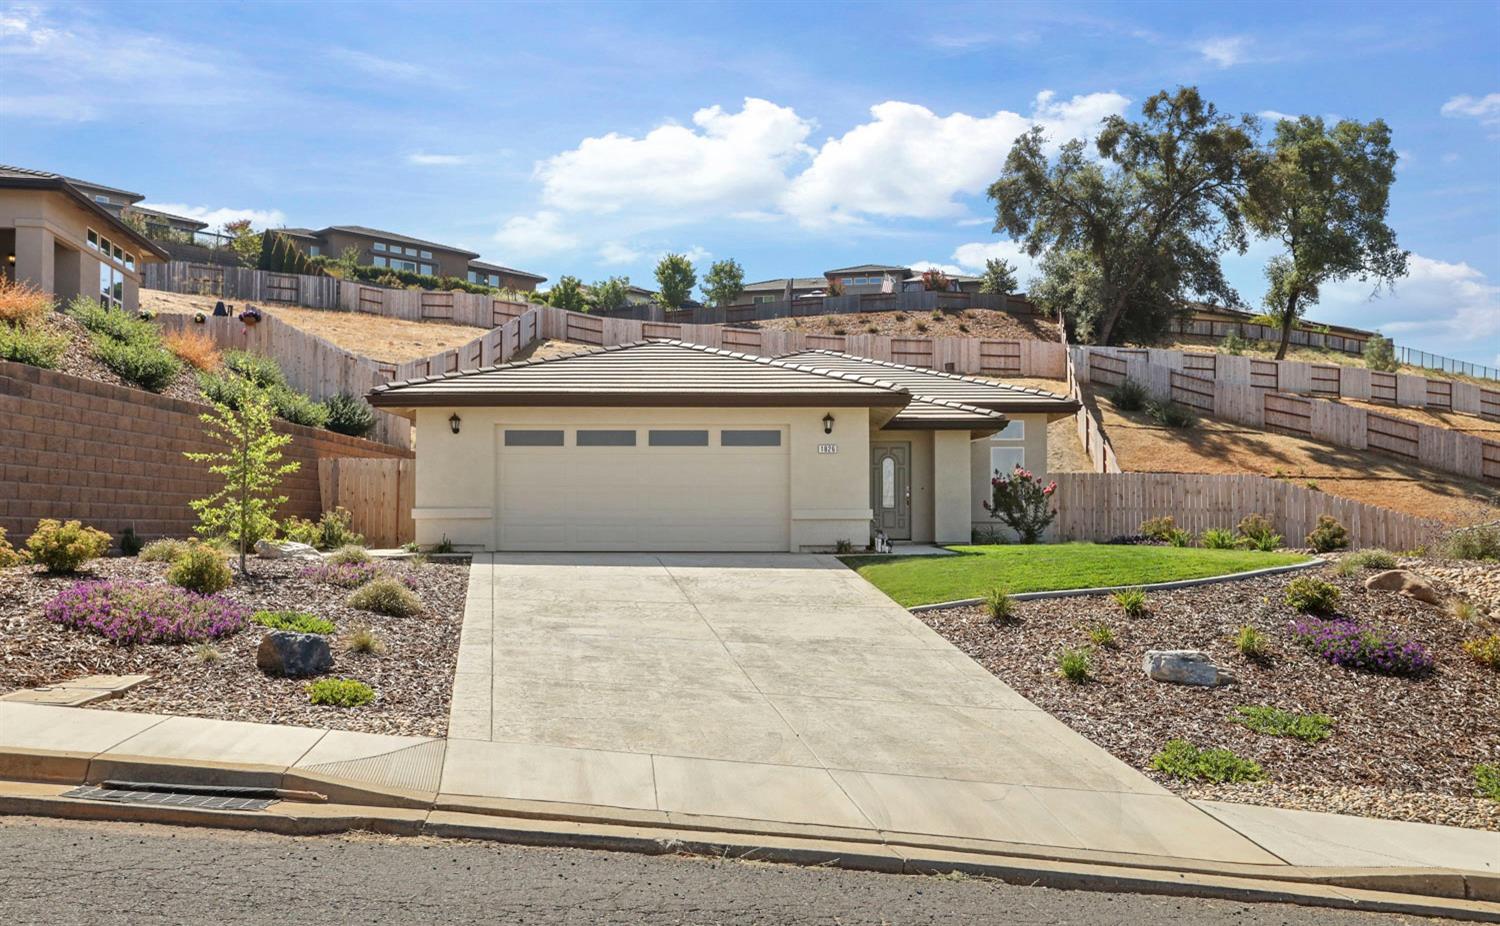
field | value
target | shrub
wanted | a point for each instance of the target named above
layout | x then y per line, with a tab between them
340	692
999	606
1171	414
344	575
259	370
1310	595
32	345
1251	643
443	547
1373	558
1380	354
387	596
348	553
63	547
1129	396
1256	533
1022	503
1479	542
843	546
1462	610
9	555
1485	650
1487	780
1159	529
1271	721
1184	761
128	613
329	532
111	323
207	653
297	408
1216	538
1352	645
1103	636
1233	343
1181	538
1075	665
22	305
201	569
294	621
165	550
222	388
141	363
1131	600
350	415
362	639
1328	535
130	544
193	348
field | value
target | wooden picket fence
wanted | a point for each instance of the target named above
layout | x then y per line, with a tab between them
377	493
1099	506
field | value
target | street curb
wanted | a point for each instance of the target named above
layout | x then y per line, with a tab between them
1416	892
1109	589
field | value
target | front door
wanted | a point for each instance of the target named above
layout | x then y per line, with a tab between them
890	488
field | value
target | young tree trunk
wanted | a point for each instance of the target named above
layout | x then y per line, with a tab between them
1288	319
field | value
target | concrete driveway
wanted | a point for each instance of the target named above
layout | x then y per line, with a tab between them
774	687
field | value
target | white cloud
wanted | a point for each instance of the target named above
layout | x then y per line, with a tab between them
1225	51
909	162
919	266
694	254
380	67
535	235
218	217
613	252
1486	108
423	159
1272	115
726	161
1443	307
973	255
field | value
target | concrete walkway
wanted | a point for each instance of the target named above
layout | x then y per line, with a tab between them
776	688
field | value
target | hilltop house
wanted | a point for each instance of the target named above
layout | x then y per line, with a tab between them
377	248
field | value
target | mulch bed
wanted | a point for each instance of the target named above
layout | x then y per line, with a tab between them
413	678
1401	748
956	323
79	360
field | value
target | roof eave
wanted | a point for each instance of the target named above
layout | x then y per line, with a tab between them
398	398
60	185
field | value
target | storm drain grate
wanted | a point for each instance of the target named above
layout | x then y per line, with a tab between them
169	798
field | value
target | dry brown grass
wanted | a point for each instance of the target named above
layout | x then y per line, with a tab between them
1263	350
22	304
194	348
956	323
389	339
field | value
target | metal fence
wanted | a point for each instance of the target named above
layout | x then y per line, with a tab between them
1420	358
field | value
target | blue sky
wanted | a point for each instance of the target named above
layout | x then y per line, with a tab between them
589	139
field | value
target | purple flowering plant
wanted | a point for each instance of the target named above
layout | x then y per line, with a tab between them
250	315
352	575
128	613
1345	642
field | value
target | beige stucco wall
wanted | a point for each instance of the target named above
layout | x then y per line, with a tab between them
46	222
829	498
1035	447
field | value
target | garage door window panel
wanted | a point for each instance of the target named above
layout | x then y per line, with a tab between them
604	438
679	438
750	438
533	438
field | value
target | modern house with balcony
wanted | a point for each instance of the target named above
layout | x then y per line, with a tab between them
378	248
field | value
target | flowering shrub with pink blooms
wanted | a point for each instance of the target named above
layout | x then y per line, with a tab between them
128	613
1022	502
1345	642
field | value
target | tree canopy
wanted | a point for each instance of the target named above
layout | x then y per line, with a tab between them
567	293
608	295
1150	214
1323	194
675	279
724	282
999	277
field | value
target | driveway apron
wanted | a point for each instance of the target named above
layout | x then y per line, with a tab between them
774	687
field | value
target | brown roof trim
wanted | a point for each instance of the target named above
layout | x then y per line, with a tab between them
61	185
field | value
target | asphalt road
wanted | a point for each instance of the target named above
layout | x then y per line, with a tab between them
58	872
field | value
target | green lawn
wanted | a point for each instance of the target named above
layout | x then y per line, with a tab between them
913	580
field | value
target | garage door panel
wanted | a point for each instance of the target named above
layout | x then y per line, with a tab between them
643	498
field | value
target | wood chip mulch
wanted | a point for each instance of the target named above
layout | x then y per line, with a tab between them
1401	748
413	678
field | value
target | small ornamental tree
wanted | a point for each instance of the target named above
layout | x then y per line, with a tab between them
724	282
999	277
567	293
1022	502
610	294
675	279
249	460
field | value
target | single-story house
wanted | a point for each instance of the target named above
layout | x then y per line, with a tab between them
665	445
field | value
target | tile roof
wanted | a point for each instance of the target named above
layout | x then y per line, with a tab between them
932	384
496	268
779	285
7	170
657	373
866	268
942	415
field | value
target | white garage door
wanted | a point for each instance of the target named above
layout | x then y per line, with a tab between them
646	488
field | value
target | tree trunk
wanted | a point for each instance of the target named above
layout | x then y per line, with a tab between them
1106	330
1288	319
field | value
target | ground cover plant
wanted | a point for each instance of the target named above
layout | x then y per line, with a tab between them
385	595
1312	595
1187	762
1353	645
914	580
340	692
293	621
132	347
129	613
1272	721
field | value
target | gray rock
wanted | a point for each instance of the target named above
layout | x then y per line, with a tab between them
1407	583
284	549
1185	667
282	652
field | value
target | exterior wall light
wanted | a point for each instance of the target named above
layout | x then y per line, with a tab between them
828	423
453	422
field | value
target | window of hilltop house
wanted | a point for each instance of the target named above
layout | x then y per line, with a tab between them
495	280
111	286
379	246
848	281
408	265
93	240
378	261
473	277
313	250
100	199
411	252
427	255
426	268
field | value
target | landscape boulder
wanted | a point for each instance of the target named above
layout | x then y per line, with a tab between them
284	549
1407	583
295	655
1185	667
